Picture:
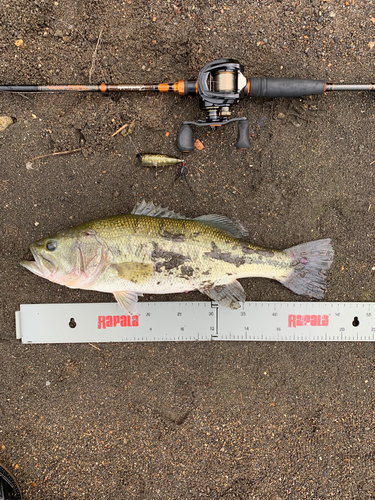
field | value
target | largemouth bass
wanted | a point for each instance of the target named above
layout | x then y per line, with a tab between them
154	250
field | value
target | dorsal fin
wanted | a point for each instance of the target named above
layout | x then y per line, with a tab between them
235	229
149	209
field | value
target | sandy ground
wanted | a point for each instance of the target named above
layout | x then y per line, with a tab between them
206	420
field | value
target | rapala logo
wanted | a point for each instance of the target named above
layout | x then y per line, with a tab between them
110	321
295	320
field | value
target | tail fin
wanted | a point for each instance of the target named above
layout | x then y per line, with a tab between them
310	263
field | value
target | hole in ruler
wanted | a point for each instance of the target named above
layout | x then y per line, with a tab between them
355	321
72	323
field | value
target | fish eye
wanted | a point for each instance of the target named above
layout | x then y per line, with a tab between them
51	245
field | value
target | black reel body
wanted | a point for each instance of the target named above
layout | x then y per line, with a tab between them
9	488
220	84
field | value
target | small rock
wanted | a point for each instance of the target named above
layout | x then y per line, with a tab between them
281	116
371	45
5	121
29	165
261	121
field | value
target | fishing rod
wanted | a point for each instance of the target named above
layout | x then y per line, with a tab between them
219	85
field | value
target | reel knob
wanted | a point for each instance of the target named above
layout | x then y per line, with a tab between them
185	141
243	141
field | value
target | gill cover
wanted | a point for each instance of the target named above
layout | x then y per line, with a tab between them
75	261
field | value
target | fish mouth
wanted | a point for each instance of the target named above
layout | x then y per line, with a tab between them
40	266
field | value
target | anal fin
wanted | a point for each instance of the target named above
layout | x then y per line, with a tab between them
230	295
127	301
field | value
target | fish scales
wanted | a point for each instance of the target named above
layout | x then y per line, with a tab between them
187	254
154	250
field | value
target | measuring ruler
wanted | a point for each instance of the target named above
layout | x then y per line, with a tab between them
193	321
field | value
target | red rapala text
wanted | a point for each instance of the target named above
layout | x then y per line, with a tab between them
111	321
295	320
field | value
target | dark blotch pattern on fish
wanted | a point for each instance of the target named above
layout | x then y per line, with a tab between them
226	257
172	236
187	271
166	260
262	253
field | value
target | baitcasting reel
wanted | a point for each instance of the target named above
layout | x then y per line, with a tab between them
220	84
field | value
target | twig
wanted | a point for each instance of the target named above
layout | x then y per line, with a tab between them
55	154
94	55
119	130
239	192
94	346
131	128
23	95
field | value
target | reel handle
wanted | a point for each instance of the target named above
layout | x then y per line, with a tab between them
185	142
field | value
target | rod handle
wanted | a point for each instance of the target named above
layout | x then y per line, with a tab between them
284	87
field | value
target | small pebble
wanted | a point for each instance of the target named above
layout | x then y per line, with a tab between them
5	121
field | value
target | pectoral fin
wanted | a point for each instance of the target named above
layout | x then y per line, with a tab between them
127	301
227	295
136	272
